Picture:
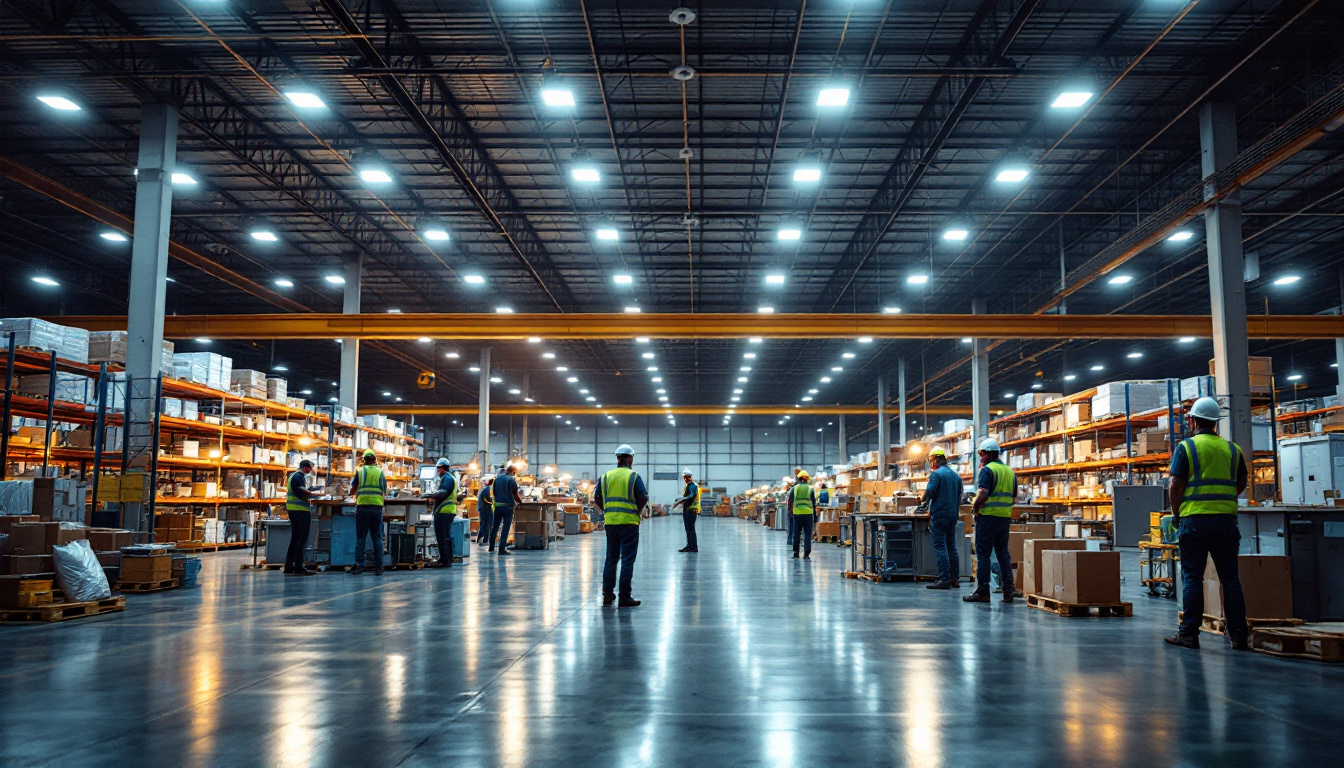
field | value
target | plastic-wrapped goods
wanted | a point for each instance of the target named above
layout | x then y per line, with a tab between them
79	573
68	343
16	497
70	387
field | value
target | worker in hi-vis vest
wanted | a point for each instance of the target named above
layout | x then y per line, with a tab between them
485	509
621	495
300	512
803	513
1208	473
993	508
444	503
690	509
369	487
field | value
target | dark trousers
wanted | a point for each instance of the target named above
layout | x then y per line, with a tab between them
802	532
483	525
369	522
300	522
944	530
443	534
500	525
688	519
1202	537
622	546
991	535
793	527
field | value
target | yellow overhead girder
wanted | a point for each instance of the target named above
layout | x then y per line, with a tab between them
486	327
655	410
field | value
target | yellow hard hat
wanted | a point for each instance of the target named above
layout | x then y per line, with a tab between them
802	475
938	452
369	454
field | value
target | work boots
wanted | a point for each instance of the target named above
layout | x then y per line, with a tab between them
940	585
1183	641
627	601
980	595
1241	641
608	598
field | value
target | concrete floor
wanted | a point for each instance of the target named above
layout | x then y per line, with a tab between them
739	656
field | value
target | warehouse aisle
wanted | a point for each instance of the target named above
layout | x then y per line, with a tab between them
739	655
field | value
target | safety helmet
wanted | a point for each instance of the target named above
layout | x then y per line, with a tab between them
938	452
1206	408
687	473
625	450
989	444
369	454
803	476
442	463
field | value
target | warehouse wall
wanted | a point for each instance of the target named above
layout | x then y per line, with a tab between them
733	458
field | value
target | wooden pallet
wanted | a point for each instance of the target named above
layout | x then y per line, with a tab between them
1217	625
1299	643
827	539
417	565
1078	610
65	611
861	575
146	586
200	548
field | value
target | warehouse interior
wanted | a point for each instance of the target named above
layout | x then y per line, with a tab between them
796	263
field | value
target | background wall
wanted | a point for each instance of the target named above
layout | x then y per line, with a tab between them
749	453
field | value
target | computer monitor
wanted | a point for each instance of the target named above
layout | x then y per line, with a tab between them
428	471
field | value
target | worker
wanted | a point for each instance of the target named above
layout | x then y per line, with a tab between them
444	503
621	495
484	510
300	511
1208	473
504	494
993	509
793	525
690	509
802	511
369	487
942	496
824	496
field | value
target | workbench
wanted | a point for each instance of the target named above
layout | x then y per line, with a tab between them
894	546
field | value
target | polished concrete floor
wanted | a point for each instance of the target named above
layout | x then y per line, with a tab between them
739	656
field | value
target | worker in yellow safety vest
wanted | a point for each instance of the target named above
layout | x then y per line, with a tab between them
444	503
802	511
993	508
299	510
621	495
1208	473
690	509
369	487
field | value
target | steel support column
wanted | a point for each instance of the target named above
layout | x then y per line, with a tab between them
149	248
483	417
1227	284
900	398
354	277
843	441
1339	346
883	428
979	379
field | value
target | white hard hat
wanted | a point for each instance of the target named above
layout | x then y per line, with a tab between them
687	473
1206	408
442	463
625	450
989	444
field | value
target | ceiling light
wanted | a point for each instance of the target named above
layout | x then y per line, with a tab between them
115	237
45	281
547	355
496	380
808	173
647	355
1012	175
1120	280
1069	377
280	368
735	399
789	234
533	339
554	93
436	234
1294	377
591	399
1287	280
807	399
561	368
833	97
1098	367
749	356
775	279
473	279
865	339
1134	355
305	99
737	391
642	340
1180	236
765	310
1037	385
755	340
813	391
836	368
424	340
335	279
741	379
183	179
657	379
305	392
891	310
515	391
622	279
574	380
1186	339
956	234
375	176
745	369
503	310
1071	99
586	174
387	394
60	103
264	235
452	355
825	379
662	398
662	391
1008	395
848	355
652	369
475	369
393	311
607	234
632	310
966	340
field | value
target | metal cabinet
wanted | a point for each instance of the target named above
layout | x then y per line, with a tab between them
1311	468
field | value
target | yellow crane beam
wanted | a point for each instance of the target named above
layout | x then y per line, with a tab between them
655	410
485	327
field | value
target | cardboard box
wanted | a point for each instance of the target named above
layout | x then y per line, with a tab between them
1079	577
22	565
141	568
1033	557
108	559
28	539
18	592
109	539
1266	580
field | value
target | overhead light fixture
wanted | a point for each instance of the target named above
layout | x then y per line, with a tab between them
115	237
375	176
917	279
280	368
836	369
765	310
737	391
585	174
848	355
833	97
1012	175
1134	355
1037	385
807	172
473	279
515	391
622	279
264	235
813	391
533	339
452	355
1186	339
1008	395
561	368
741	379
59	103
891	310
474	369
575	380
503	310
956	235
304	98
1097	367
305	392
1180	236
807	399
641	339
789	233
591	399
496	380
744	369
1120	280
183	179
40	280
632	310
775	279
966	340
436	234
865	339
1294	377
735	399
548	356
657	379
755	340
1069	377
393	311
647	355
202	340
825	379
335	279
424	340
608	234
387	394
555	92
1287	280
750	356
1071	99
652	369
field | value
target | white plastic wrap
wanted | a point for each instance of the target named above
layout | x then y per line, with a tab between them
79	573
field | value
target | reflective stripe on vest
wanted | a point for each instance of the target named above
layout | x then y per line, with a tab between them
698	491
1211	487
449	505
618	499
694	503
802	499
1000	501
294	503
369	492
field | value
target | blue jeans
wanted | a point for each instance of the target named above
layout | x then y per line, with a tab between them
369	522
991	536
1202	537
503	520
792	526
487	518
443	536
622	546
945	554
802	532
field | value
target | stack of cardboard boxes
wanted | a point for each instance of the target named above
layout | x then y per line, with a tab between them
26	544
1266	581
535	525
